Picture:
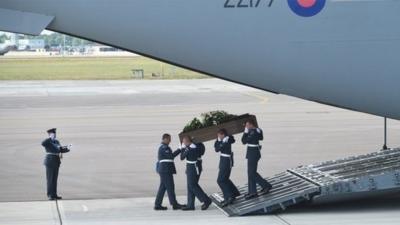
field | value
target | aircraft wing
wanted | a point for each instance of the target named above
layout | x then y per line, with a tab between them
23	22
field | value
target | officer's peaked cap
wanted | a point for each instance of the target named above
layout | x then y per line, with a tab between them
52	130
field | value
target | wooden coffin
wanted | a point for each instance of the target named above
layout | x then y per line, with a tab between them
234	126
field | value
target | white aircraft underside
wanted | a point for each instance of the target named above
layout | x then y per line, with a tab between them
346	55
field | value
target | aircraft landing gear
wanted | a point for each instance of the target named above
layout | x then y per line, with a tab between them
385	135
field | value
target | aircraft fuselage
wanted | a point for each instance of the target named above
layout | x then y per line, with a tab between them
342	53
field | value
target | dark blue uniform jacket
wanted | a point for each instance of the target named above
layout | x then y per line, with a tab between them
166	153
53	146
253	137
191	153
225	148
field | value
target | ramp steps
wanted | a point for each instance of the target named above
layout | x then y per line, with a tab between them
376	156
354	167
361	176
288	189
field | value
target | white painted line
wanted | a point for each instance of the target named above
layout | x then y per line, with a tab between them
85	208
62	212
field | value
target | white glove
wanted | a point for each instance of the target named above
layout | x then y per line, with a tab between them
69	146
258	130
192	145
226	139
246	130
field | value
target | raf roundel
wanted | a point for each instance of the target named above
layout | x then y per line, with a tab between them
306	8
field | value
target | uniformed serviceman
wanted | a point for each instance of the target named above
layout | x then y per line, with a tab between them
223	146
191	153
166	169
252	137
201	150
52	162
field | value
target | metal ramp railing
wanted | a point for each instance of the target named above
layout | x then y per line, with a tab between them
349	178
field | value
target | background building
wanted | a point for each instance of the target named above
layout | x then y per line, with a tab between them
31	44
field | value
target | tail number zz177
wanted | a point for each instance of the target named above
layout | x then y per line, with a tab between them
247	3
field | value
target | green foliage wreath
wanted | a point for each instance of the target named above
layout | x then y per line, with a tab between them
208	119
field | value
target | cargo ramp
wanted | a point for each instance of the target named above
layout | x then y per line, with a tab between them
345	179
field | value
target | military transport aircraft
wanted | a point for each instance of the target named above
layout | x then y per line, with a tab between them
344	53
338	52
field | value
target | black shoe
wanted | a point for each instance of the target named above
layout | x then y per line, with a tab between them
236	195
178	206
52	198
206	205
250	196
160	207
266	190
229	201
186	208
58	197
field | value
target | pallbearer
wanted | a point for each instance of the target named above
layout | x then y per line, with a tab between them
166	169
52	162
223	145
191	153
201	149
252	137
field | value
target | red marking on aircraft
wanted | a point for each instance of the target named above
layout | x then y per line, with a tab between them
306	3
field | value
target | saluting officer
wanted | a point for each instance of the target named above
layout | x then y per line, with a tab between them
252	137
223	145
52	162
191	153
166	169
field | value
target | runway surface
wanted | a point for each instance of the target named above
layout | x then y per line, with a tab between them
115	129
137	211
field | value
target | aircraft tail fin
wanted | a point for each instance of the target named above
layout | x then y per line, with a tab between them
23	22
